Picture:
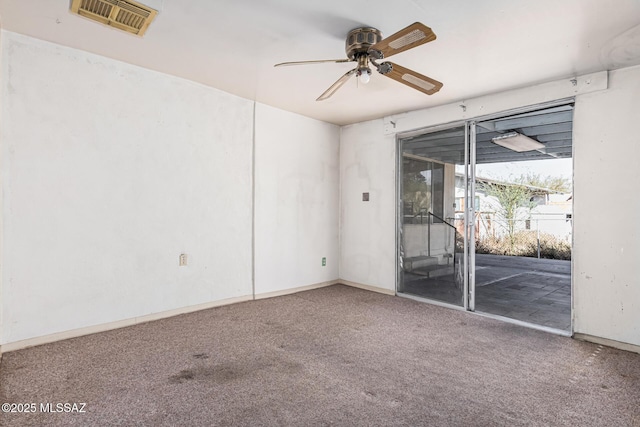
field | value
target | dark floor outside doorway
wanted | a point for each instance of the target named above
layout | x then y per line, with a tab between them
531	290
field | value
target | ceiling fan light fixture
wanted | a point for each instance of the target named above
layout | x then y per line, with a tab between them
364	75
517	142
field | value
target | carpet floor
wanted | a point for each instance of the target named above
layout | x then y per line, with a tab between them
332	356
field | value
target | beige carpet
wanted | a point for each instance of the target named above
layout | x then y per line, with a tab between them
333	356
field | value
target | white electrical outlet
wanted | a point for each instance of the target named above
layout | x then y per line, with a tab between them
183	259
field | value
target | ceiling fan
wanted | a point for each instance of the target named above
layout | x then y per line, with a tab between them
365	45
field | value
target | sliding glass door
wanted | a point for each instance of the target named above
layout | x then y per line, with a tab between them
432	228
499	188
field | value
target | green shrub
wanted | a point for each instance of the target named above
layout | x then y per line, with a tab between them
525	243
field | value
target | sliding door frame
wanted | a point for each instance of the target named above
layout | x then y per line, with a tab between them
469	211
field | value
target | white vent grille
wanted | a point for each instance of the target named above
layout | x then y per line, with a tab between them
124	15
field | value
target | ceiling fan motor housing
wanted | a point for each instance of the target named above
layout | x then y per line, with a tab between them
359	40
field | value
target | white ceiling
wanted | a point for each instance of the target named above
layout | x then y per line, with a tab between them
482	46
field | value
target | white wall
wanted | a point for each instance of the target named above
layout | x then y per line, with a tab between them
606	210
296	201
367	234
109	172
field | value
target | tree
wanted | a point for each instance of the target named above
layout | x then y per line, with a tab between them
512	203
513	200
555	183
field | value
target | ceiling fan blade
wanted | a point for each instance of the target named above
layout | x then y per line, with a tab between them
321	61
412	79
407	38
337	85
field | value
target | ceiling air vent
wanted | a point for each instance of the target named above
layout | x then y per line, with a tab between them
126	15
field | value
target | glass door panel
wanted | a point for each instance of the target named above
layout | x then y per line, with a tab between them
433	191
523	217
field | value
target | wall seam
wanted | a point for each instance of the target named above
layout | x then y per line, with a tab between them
253	203
2	181
340	203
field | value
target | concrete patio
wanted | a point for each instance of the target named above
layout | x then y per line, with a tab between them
531	290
